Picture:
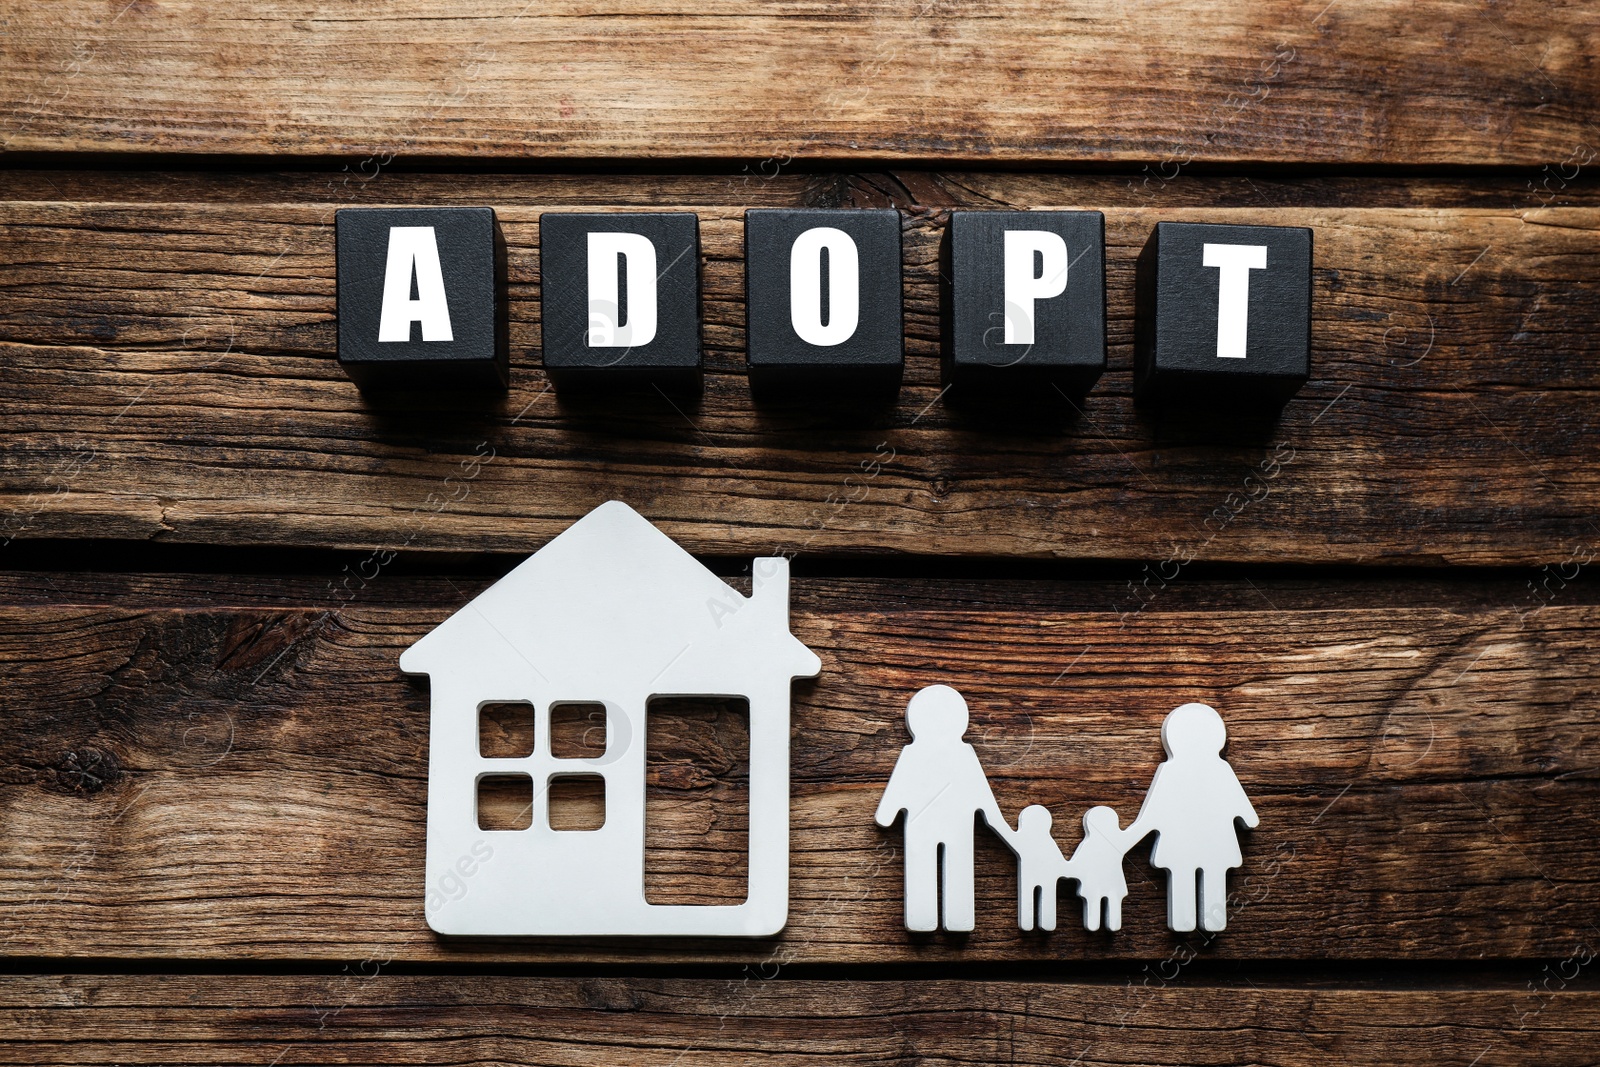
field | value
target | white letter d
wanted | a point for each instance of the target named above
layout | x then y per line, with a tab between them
606	330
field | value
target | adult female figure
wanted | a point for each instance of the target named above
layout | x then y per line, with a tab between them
1193	804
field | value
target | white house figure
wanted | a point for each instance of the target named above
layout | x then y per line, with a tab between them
610	612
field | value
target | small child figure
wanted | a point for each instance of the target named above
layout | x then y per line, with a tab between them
1097	865
1040	868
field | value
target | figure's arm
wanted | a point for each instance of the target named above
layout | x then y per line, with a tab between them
979	790
1002	829
991	815
1137	831
1006	832
1245	811
989	808
892	804
1147	821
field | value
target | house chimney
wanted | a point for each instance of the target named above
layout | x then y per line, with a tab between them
769	587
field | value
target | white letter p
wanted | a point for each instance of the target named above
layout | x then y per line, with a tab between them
1023	287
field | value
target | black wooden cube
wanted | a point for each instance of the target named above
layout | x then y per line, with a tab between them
1025	301
419	298
621	300
1224	314
822	297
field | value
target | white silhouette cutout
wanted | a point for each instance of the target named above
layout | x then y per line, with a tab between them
940	785
1097	865
1192	805
1040	868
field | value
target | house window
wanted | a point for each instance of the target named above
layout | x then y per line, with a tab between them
505	802
577	730
697	800
577	802
505	730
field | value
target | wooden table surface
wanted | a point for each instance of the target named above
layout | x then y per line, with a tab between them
213	775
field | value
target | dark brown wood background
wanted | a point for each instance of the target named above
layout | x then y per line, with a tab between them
213	775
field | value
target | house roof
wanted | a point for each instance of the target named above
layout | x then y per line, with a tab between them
613	596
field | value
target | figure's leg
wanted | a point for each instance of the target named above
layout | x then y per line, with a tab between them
1180	899
1113	913
1026	914
959	890
1047	903
1091	912
1214	898
922	883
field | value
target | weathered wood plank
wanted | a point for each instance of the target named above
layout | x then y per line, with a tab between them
755	186
243	578
168	374
1445	82
224	782
368	1017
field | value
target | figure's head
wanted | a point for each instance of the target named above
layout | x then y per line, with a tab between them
1035	818
1101	820
935	713
1193	730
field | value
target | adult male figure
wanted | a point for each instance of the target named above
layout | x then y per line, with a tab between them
940	785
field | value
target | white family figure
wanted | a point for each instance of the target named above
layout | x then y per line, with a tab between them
1193	803
1040	865
940	786
1193	806
1097	865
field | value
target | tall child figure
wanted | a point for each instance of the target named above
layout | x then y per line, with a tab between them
940	785
1040	868
1193	804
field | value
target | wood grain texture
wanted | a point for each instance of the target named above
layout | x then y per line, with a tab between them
223	782
167	371
1447	82
757	186
370	1017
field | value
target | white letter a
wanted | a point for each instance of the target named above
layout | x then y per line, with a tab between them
414	247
